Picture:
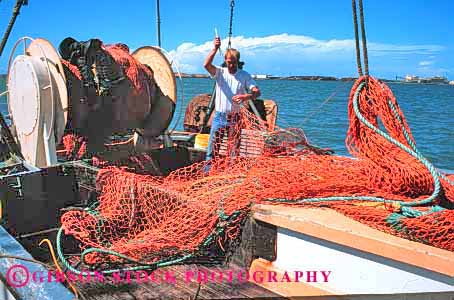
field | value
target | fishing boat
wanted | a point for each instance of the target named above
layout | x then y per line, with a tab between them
265	243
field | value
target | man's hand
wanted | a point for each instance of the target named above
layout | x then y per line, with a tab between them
217	42
241	98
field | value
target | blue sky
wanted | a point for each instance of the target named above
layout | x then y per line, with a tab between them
285	37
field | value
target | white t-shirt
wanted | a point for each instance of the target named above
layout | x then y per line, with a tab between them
229	85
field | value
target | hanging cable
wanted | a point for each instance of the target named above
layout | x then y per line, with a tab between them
363	35
363	40
158	23
232	5
358	52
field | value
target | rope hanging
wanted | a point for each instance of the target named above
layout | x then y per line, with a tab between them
363	39
358	52
363	36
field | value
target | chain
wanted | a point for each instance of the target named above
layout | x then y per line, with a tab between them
232	5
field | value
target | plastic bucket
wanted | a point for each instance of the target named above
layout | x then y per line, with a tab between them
201	141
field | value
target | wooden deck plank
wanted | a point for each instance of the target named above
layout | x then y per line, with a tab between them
235	289
222	289
181	288
192	286
106	291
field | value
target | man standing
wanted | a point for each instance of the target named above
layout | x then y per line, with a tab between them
232	86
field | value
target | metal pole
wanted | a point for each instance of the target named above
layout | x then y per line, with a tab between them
158	21
16	11
166	136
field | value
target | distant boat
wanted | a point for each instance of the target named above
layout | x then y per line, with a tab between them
451	82
412	79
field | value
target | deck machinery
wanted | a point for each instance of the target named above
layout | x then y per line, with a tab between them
35	169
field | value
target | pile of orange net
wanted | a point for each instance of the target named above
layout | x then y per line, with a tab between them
139	74
151	219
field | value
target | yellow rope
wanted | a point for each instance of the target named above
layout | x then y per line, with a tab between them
54	259
387	206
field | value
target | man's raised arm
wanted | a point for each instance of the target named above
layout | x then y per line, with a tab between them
209	60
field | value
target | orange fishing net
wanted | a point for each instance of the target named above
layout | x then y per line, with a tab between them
150	219
74	146
72	68
139	74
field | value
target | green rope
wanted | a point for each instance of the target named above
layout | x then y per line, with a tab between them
162	263
394	219
410	141
413	213
415	154
219	229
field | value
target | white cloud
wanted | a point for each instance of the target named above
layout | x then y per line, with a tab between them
285	54
426	63
430	71
405	49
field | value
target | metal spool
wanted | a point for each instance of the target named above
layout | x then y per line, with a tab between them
163	73
37	98
59	82
163	109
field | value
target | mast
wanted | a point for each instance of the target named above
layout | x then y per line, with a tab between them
158	23
16	11
166	137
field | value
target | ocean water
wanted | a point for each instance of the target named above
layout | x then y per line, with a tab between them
320	109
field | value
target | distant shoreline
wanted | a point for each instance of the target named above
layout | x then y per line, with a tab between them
312	78
297	77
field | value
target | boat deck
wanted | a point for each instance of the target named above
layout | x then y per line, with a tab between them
180	288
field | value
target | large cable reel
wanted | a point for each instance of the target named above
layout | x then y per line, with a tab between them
37	100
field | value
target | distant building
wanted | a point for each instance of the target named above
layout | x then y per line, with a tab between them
435	79
260	76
